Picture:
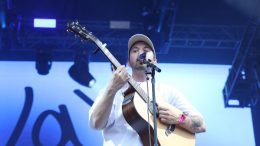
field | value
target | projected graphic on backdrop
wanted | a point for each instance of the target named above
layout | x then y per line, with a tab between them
63	118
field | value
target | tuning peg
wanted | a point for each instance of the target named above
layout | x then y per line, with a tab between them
104	45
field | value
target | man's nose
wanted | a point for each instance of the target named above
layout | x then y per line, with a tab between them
141	52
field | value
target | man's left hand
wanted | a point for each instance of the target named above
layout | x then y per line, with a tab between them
167	116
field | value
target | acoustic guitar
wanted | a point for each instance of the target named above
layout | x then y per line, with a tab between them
135	109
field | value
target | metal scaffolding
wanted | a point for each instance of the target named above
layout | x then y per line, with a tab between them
242	88
21	41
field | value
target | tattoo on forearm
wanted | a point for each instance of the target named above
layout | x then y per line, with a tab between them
195	124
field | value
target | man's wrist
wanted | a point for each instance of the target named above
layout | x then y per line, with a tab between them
181	119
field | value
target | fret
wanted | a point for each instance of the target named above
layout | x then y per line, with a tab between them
138	89
111	58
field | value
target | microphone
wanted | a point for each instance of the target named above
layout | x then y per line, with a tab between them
142	57
146	58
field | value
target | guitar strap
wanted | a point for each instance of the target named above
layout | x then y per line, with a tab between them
128	95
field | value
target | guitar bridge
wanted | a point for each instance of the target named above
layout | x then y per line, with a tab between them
169	129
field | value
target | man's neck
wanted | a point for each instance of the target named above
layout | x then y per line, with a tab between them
139	75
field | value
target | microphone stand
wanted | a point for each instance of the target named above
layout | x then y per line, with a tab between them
151	68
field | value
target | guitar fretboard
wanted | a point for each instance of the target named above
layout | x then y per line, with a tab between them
114	61
87	35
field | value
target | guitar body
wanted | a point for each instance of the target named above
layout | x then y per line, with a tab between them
135	113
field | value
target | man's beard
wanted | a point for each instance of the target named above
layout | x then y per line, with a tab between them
140	67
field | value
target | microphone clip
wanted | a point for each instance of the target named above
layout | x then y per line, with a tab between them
142	59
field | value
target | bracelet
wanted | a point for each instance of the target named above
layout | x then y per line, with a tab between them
181	119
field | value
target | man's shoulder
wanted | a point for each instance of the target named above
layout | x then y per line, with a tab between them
167	86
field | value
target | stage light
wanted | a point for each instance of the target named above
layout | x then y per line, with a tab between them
233	102
44	23
79	71
119	24
2	15
43	62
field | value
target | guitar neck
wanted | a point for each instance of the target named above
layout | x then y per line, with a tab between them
83	33
115	62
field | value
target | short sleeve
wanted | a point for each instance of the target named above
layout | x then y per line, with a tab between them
111	118
177	99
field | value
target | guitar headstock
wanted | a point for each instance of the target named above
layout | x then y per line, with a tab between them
80	31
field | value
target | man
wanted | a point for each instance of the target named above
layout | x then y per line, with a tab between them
106	112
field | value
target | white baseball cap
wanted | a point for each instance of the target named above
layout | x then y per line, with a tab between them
140	38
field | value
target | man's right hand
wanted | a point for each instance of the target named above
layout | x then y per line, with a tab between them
120	77
102	106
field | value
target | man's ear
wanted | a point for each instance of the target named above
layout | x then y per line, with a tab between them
155	60
150	55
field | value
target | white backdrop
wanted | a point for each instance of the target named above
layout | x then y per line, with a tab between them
202	84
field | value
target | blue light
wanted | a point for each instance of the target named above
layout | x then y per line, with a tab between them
2	19
44	23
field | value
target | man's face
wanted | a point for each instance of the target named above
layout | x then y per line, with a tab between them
137	49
